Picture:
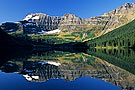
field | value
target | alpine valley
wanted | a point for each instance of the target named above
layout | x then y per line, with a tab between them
69	28
42	47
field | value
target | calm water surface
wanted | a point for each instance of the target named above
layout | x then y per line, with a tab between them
13	81
57	70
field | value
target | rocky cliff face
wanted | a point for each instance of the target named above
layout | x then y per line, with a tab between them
43	21
73	23
70	22
66	22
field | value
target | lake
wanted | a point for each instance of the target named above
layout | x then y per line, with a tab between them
61	70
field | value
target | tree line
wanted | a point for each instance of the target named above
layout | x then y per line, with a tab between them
123	36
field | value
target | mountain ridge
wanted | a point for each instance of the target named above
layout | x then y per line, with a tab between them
110	20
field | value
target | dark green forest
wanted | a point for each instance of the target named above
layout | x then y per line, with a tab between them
123	36
123	58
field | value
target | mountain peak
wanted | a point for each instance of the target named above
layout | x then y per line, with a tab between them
69	15
129	5
126	6
125	9
34	16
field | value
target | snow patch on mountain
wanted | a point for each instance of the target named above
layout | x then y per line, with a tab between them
50	32
28	17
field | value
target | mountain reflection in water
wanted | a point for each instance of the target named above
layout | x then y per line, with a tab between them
72	67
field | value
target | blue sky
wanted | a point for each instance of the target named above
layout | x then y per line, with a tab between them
15	10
